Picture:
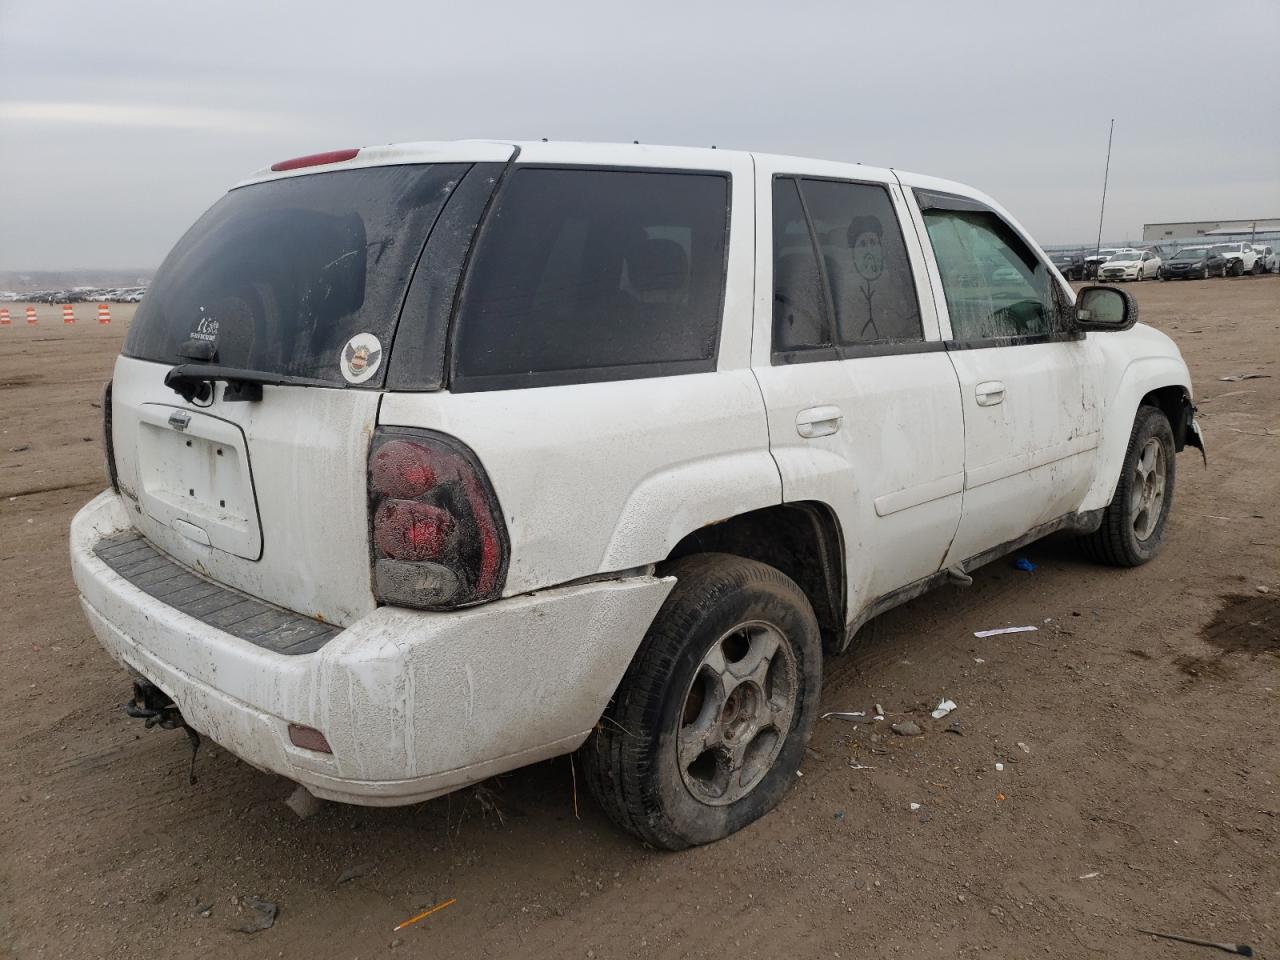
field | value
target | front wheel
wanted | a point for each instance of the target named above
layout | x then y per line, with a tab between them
707	729
1133	524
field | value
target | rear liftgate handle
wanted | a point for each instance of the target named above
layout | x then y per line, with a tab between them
818	421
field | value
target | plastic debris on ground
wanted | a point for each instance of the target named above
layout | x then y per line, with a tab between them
1000	631
1237	377
942	709
425	913
999	767
854	715
1025	565
914	807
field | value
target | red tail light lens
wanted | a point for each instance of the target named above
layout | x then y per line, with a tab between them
436	529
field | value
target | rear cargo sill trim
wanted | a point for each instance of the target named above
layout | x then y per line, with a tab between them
263	624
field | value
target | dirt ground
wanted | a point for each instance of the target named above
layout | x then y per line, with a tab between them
1139	730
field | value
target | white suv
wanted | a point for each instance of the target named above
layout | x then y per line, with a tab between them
435	460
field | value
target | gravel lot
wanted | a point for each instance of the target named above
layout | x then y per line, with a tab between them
1139	732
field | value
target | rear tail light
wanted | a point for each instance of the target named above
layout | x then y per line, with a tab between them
108	444
436	530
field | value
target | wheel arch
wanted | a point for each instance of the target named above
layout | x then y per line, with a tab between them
803	539
1160	381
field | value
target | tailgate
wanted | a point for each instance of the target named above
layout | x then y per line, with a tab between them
267	497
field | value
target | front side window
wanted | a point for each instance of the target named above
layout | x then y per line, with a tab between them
995	286
583	275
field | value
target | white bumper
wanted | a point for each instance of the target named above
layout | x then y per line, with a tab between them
413	704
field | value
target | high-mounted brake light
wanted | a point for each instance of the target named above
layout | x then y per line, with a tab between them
436	529
315	159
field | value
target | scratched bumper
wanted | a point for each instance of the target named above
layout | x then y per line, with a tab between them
413	704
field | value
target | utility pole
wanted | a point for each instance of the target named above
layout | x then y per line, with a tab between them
1106	174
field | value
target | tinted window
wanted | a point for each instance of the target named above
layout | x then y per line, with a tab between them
585	275
864	257
278	276
995	285
800	315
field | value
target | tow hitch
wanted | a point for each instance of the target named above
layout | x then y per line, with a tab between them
153	706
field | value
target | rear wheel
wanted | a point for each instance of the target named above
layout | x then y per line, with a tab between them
708	727
1133	524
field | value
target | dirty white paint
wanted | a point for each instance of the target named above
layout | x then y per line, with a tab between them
413	704
920	466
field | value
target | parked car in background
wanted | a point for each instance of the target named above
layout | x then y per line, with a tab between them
1070	265
1094	260
1130	265
431	461
1242	258
1273	261
1194	263
1265	253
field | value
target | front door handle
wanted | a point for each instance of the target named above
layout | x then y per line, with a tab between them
989	393
818	422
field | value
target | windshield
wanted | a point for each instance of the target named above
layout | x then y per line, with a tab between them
287	276
1063	257
1191	253
1124	256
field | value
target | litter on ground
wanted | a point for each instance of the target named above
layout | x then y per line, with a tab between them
942	709
1002	630
425	913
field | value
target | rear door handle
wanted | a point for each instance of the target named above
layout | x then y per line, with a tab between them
818	422
989	393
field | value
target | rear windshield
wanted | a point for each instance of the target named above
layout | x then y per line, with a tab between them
285	277
585	275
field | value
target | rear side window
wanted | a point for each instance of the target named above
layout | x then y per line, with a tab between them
584	275
842	279
278	277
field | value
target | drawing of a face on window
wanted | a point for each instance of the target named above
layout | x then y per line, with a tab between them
868	253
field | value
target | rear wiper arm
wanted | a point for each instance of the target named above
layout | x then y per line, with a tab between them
194	381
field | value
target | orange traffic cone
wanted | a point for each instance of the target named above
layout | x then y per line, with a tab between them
4	316
31	316
68	315
104	314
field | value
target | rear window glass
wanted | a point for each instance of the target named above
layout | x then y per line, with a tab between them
278	277
585	275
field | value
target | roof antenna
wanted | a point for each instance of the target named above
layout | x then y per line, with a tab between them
713	146
544	139
635	141
1106	173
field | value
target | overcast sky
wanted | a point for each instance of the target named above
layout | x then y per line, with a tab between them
121	121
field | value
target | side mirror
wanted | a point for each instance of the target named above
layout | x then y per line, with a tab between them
1105	309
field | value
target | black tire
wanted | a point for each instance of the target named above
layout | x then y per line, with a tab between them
1119	541
1257	268
631	759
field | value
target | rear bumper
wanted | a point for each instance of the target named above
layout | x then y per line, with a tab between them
413	704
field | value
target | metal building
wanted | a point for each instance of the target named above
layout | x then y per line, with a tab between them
1236	229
